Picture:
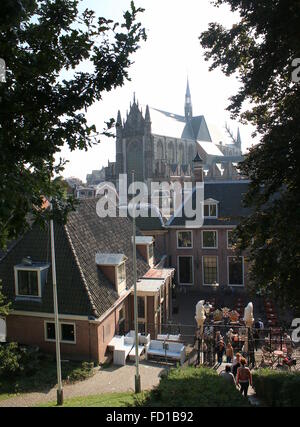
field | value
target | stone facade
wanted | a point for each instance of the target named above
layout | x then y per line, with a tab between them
160	146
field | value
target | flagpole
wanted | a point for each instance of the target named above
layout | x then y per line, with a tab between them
60	398
137	374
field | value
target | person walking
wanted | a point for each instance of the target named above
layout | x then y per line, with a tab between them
228	375
244	377
220	351
229	352
236	364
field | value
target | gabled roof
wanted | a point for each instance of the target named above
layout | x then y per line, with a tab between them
229	195
82	287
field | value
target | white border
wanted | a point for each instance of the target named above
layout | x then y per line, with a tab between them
178	272
29	268
60	332
243	271
192	239
210	202
209	256
217	239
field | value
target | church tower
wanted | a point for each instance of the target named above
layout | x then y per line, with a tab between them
119	146
188	109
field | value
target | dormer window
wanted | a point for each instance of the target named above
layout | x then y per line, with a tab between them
30	278
144	245
121	272
210	208
114	268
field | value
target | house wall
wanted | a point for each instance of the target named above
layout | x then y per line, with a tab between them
31	331
91	338
197	252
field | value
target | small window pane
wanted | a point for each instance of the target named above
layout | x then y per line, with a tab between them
210	270
121	273
206	210
184	239
28	283
141	307
50	331
67	332
213	210
209	239
150	251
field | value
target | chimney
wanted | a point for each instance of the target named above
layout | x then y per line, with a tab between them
198	169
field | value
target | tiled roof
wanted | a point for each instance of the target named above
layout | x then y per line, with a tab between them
230	195
82	288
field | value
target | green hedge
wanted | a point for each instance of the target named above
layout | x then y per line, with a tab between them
276	388
194	387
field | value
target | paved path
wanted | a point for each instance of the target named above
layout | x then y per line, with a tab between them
251	392
110	380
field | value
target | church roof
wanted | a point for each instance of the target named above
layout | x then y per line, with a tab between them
210	149
167	124
175	126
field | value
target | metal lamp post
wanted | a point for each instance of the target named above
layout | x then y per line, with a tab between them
137	374
60	398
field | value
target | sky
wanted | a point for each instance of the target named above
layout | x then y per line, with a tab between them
158	76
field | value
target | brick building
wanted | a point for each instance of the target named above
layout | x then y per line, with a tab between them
94	283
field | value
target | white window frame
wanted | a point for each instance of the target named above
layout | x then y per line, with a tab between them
29	268
227	236
217	239
210	202
210	256
178	270
192	239
243	272
117	275
60	332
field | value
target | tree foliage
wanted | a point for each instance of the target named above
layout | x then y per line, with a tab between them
260	49
58	63
4	305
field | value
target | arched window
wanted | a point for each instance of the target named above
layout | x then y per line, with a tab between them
171	152
180	154
160	150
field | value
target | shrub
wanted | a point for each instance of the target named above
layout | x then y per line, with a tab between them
277	388
194	387
86	370
9	359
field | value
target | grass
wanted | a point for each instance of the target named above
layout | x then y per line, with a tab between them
43	378
115	400
182	387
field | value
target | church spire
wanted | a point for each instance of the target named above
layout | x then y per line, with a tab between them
239	139
188	109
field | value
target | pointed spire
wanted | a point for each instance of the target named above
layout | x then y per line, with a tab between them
188	93
188	109
239	139
133	97
147	115
119	119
